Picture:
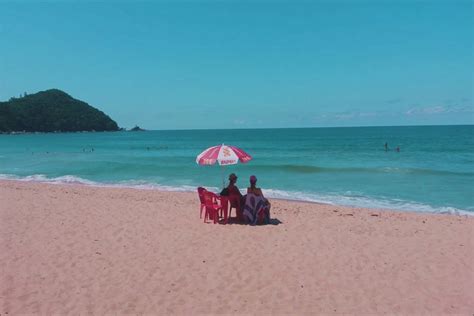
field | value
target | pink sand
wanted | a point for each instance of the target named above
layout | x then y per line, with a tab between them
77	249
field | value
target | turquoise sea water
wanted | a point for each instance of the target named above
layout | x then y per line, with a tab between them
434	170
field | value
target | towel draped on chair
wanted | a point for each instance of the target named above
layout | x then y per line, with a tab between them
256	206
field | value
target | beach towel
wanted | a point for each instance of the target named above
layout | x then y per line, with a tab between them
256	206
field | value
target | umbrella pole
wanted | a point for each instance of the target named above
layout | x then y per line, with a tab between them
222	175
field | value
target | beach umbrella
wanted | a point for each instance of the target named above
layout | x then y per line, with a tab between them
224	155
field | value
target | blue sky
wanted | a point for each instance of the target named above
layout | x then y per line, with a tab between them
246	64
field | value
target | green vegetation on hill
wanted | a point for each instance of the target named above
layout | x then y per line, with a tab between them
52	111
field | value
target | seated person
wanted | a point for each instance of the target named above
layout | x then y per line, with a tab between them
232	189
257	207
235	197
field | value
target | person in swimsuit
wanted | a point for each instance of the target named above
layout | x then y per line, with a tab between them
258	192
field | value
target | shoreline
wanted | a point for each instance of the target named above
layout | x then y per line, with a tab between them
160	188
72	249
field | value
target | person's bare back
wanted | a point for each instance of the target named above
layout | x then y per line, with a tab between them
256	191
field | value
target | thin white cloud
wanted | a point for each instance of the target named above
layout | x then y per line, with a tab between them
239	122
438	109
417	111
344	116
347	115
426	110
368	114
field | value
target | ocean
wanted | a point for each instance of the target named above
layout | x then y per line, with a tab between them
432	172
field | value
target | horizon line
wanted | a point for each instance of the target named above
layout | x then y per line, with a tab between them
305	127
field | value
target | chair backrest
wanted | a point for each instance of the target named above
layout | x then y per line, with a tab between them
209	198
201	193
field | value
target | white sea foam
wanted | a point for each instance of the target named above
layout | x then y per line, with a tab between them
347	199
362	201
43	178
134	184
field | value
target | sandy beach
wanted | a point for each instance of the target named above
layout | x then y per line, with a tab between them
69	249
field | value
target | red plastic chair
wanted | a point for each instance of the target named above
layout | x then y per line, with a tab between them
212	207
201	191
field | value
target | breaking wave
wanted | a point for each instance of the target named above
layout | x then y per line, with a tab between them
348	199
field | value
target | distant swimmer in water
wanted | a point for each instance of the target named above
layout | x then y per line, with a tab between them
397	149
386	146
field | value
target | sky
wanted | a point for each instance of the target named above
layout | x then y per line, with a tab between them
246	64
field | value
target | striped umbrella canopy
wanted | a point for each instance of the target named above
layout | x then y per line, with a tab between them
222	154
